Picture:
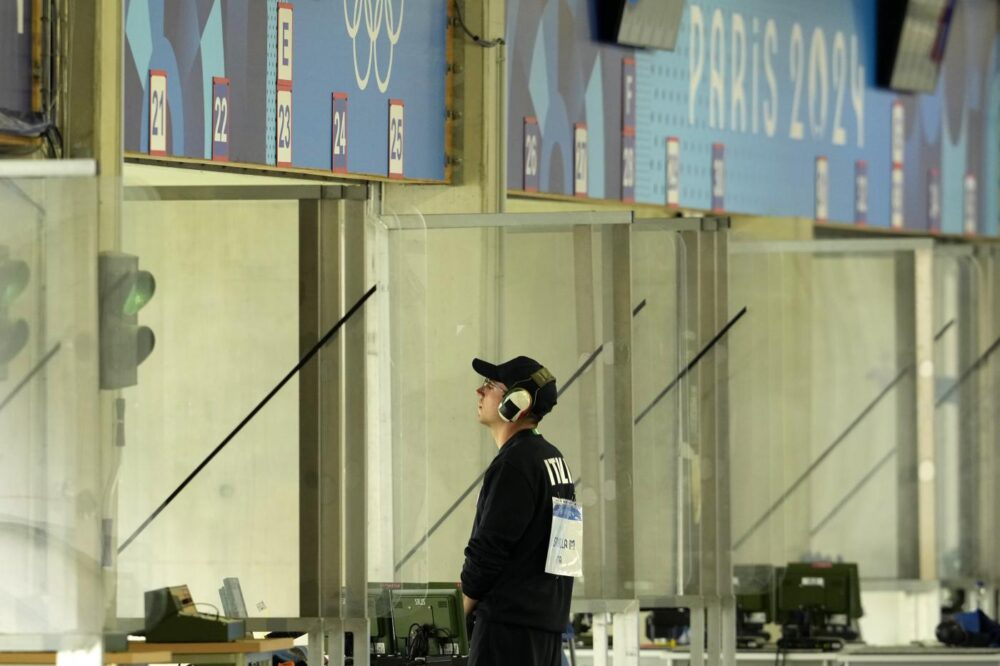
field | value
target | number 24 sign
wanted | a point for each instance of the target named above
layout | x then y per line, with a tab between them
338	152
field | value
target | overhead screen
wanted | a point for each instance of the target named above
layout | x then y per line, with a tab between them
648	23
912	38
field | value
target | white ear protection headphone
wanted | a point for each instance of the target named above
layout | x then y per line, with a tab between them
517	401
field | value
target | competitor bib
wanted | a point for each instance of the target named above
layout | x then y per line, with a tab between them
565	557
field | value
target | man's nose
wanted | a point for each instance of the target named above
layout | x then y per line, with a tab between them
480	392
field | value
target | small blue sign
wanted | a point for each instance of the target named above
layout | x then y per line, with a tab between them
628	165
532	153
628	93
338	152
220	119
718	177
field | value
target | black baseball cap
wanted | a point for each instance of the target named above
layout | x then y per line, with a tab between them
526	373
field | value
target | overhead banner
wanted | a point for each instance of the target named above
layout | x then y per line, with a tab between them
316	85
18	114
781	95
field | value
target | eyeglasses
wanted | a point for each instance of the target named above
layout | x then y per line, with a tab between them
489	384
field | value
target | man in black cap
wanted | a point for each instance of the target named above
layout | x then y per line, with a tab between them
520	607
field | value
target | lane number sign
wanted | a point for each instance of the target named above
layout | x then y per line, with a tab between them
338	133
220	119
157	112
283	127
395	138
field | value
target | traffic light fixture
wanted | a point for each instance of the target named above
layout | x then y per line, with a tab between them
14	276
124	290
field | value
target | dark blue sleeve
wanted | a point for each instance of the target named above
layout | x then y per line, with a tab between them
508	508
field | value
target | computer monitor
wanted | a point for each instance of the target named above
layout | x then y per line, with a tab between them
382	641
755	590
430	613
818	604
669	624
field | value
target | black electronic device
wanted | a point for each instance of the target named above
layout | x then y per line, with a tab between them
668	624
818	605
646	23
428	620
754	587
382	642
171	617
912	35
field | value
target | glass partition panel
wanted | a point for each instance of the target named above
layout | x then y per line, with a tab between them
51	493
666	492
453	294
966	337
823	406
225	315
955	408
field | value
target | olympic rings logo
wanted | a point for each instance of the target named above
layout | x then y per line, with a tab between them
374	14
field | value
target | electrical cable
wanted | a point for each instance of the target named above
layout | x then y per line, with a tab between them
305	359
486	44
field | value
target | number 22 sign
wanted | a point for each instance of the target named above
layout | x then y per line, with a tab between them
157	112
220	119
395	138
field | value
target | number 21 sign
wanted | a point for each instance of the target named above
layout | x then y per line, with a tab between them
157	112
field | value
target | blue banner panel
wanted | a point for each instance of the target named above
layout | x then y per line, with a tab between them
15	65
779	85
369	51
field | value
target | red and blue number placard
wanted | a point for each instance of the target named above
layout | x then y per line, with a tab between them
395	138
861	193
673	184
581	163
285	42
628	93
157	112
283	126
220	119
718	177
338	133
532	153
628	165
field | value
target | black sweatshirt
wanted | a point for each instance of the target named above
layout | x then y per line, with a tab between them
505	560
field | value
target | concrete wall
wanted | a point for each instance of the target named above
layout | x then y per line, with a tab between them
225	315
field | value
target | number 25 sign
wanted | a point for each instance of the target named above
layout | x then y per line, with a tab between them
395	138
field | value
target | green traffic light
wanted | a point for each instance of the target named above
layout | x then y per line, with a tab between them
141	293
14	277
